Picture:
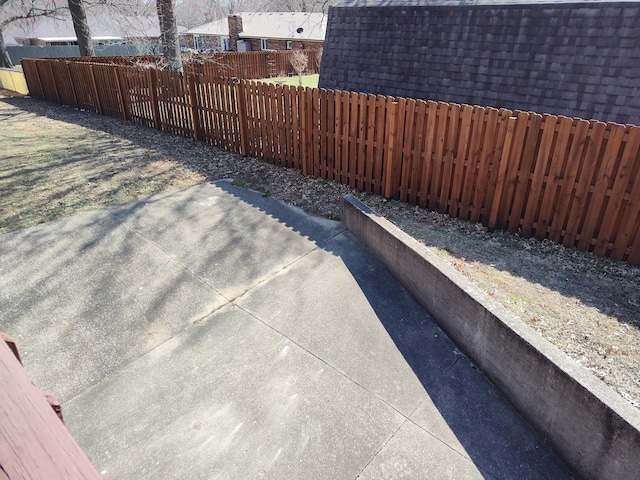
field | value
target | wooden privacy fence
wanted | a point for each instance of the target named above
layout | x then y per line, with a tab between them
572	181
245	65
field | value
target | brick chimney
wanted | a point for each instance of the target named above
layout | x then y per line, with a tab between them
235	27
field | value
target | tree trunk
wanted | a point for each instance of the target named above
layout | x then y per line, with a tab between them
169	35
5	61
81	26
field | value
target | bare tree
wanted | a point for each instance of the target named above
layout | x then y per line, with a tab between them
81	27
193	13
294	5
299	61
21	10
169	35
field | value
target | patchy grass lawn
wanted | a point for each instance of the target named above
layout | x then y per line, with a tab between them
307	80
48	169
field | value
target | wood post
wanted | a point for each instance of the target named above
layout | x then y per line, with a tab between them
95	89
241	96
303	97
153	98
191	81
120	85
73	87
391	150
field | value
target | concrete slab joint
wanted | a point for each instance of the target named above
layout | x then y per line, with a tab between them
592	429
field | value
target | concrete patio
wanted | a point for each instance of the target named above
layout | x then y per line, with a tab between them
213	333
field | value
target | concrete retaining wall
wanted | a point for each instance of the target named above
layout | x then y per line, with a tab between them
595	431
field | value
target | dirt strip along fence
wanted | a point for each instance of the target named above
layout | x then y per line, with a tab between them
572	181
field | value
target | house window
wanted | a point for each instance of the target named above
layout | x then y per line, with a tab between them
264	44
196	42
224	44
289	44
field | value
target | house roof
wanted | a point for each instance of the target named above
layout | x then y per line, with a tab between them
462	3
112	27
278	25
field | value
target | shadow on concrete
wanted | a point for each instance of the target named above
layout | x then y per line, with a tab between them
499	442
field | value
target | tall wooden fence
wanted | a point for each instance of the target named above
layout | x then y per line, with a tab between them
572	181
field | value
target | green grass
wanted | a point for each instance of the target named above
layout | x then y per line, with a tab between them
307	80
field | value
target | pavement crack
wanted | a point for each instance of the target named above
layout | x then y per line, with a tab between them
453	364
384	444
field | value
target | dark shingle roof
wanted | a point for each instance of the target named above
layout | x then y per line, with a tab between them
575	59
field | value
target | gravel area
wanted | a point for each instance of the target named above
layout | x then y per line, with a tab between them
586	306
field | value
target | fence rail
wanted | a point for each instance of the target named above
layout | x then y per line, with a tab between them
569	180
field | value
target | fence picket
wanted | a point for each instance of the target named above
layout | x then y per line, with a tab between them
407	144
390	142
325	123
313	134
359	161
396	170
379	148
370	138
352	173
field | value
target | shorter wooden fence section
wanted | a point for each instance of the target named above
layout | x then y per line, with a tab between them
569	180
243	65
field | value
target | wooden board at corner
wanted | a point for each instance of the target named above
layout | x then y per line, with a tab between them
34	443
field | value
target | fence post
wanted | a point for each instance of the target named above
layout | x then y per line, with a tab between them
303	97
41	64
119	83
391	142
95	89
191	79
73	88
53	79
153	96
241	91
502	172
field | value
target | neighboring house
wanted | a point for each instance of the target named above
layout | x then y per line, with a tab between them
260	31
572	58
105	30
